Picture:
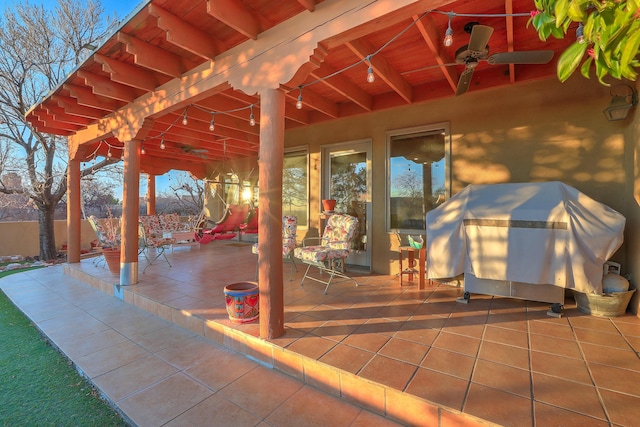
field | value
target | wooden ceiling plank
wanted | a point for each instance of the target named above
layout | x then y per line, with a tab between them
180	33
235	15
86	97
362	48
71	106
310	5
127	74
311	100
60	115
433	39
508	6
343	86
106	87
152	57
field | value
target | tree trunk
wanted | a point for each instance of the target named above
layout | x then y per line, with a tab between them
48	251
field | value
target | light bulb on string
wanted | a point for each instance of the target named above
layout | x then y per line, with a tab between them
252	119
184	118
212	124
109	153
371	77
142	149
299	103
448	35
162	146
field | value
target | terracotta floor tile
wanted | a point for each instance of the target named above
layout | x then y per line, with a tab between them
226	413
413	331
504	319
382	326
438	388
567	394
506	336
162	338
448	362
390	372
560	366
457	343
312	346
221	370
463	326
334	330
498	406
624	410
548	415
368	341
616	379
502	377
264	397
611	356
593	323
165	400
505	354
347	358
133	377
327	410
405	351
369	419
551	329
601	338
189	352
549	344
629	325
85	345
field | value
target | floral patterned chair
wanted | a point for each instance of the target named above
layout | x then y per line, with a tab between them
289	230
335	245
151	238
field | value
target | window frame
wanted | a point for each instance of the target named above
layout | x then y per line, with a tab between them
389	135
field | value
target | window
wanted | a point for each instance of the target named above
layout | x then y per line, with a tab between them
417	174
294	186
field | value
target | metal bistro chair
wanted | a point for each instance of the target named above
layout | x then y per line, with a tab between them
335	245
289	230
148	241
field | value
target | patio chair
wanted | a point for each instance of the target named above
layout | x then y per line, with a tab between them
289	229
227	227
148	243
329	256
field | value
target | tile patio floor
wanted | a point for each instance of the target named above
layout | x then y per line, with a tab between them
376	354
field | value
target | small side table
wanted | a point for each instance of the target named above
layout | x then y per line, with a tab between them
410	270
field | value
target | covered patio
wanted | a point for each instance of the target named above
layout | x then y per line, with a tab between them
417	357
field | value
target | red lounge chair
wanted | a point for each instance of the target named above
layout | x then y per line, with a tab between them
251	226
227	227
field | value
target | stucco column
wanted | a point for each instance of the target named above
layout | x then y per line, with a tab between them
270	218
73	211
130	209
151	194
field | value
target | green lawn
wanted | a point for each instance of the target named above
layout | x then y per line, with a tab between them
38	386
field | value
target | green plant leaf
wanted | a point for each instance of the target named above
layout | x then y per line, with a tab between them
570	59
560	11
586	67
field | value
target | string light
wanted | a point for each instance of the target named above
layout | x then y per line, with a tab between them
109	152
580	33
299	103
142	149
252	119
184	118
212	125
371	77
162	146
448	35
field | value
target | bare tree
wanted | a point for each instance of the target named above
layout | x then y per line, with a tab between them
184	197
39	48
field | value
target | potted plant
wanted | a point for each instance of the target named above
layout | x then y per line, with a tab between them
108	231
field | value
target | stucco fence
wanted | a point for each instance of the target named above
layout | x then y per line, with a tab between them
22	238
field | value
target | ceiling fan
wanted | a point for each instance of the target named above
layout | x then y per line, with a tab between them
188	149
478	50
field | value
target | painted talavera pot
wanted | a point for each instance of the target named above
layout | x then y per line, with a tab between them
242	301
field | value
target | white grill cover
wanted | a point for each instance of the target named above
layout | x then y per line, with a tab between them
540	233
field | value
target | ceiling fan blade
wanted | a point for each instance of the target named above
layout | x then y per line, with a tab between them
464	81
480	35
521	57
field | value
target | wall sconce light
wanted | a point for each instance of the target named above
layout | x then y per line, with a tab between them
621	104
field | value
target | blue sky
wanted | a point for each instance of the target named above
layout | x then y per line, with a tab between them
121	7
